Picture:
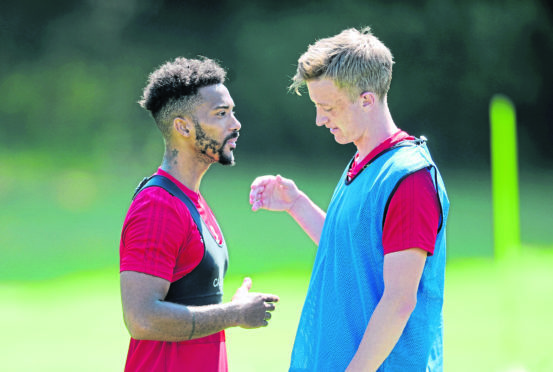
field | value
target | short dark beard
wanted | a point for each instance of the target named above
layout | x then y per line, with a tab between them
205	143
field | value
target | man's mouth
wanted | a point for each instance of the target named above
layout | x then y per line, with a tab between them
231	140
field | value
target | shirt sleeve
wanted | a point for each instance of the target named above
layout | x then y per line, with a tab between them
153	233
413	215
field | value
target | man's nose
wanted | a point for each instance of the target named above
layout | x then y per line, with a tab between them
236	124
321	119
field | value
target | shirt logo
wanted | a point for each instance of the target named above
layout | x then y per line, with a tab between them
217	282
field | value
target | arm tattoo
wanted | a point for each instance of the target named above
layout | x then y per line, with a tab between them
193	326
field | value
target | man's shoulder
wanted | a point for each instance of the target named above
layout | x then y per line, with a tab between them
409	157
152	196
156	212
156	200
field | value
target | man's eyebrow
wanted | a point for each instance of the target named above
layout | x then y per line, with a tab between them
225	107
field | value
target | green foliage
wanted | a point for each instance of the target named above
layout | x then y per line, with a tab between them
71	72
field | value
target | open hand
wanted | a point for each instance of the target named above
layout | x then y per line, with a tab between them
255	308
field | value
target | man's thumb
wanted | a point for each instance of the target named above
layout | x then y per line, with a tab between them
243	290
246	285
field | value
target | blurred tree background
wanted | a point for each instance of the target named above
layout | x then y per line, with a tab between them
71	73
74	142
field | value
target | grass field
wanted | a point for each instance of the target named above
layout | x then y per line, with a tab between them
59	291
496	319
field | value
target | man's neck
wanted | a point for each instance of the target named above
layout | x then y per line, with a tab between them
381	127
185	167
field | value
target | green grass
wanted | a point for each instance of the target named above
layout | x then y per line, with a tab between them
497	315
66	324
59	290
496	319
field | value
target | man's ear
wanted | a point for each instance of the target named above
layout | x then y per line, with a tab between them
182	126
368	100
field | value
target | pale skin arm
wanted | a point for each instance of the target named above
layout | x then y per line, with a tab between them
276	193
148	317
402	273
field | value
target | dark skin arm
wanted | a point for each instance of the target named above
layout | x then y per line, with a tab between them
148	317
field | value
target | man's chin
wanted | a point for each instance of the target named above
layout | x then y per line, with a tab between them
228	164
341	141
226	159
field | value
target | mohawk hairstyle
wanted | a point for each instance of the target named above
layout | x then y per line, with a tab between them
172	89
179	78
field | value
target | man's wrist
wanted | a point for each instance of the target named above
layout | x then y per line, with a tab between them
233	314
297	204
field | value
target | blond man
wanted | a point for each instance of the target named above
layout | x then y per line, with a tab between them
376	291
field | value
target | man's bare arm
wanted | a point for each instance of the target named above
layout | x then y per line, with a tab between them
148	317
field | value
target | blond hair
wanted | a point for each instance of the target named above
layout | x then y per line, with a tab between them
354	59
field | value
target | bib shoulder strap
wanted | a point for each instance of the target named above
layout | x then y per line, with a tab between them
169	186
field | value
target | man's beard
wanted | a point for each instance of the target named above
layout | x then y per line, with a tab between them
205	143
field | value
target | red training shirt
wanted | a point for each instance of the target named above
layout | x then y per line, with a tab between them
160	238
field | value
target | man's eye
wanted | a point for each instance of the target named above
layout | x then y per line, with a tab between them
221	113
327	109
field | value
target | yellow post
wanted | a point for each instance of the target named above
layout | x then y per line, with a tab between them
506	219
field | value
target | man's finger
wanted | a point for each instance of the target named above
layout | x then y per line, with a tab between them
262	181
256	190
270	298
256	195
257	205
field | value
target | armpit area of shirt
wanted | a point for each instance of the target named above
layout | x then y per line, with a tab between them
143	270
399	248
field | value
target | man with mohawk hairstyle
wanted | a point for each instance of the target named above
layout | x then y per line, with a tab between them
173	256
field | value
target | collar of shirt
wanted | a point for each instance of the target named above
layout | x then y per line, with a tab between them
356	165
194	196
201	205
